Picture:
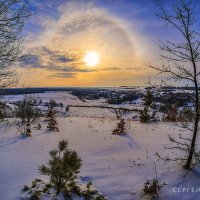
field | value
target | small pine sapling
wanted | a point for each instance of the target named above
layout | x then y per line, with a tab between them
51	118
145	115
62	168
120	128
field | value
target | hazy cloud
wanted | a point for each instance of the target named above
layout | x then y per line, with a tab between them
75	28
62	75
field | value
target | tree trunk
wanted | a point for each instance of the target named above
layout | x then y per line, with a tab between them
192	147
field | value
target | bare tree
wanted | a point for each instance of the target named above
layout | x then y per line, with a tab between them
26	110
13	14
183	56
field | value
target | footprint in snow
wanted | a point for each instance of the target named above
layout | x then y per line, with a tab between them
131	143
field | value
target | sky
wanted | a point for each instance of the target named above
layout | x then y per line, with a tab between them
124	34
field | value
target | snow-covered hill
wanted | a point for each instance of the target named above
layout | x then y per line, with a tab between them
118	166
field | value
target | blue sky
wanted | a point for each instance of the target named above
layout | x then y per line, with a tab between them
131	10
124	34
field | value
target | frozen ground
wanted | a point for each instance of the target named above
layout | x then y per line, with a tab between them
118	166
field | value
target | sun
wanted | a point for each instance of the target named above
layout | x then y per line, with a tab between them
91	59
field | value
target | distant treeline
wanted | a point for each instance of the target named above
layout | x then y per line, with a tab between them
13	91
175	88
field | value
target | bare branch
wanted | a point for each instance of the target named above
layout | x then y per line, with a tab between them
13	15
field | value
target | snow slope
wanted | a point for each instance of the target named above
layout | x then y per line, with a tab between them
118	166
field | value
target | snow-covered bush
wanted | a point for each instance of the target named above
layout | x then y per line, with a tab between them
186	116
172	113
152	188
25	130
36	189
89	194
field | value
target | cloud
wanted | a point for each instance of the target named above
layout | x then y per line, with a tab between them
62	75
76	28
63	59
61	64
60	61
133	68
42	56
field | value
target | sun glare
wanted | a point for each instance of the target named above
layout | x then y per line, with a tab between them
91	59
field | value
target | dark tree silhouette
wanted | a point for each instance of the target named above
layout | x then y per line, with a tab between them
183	56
